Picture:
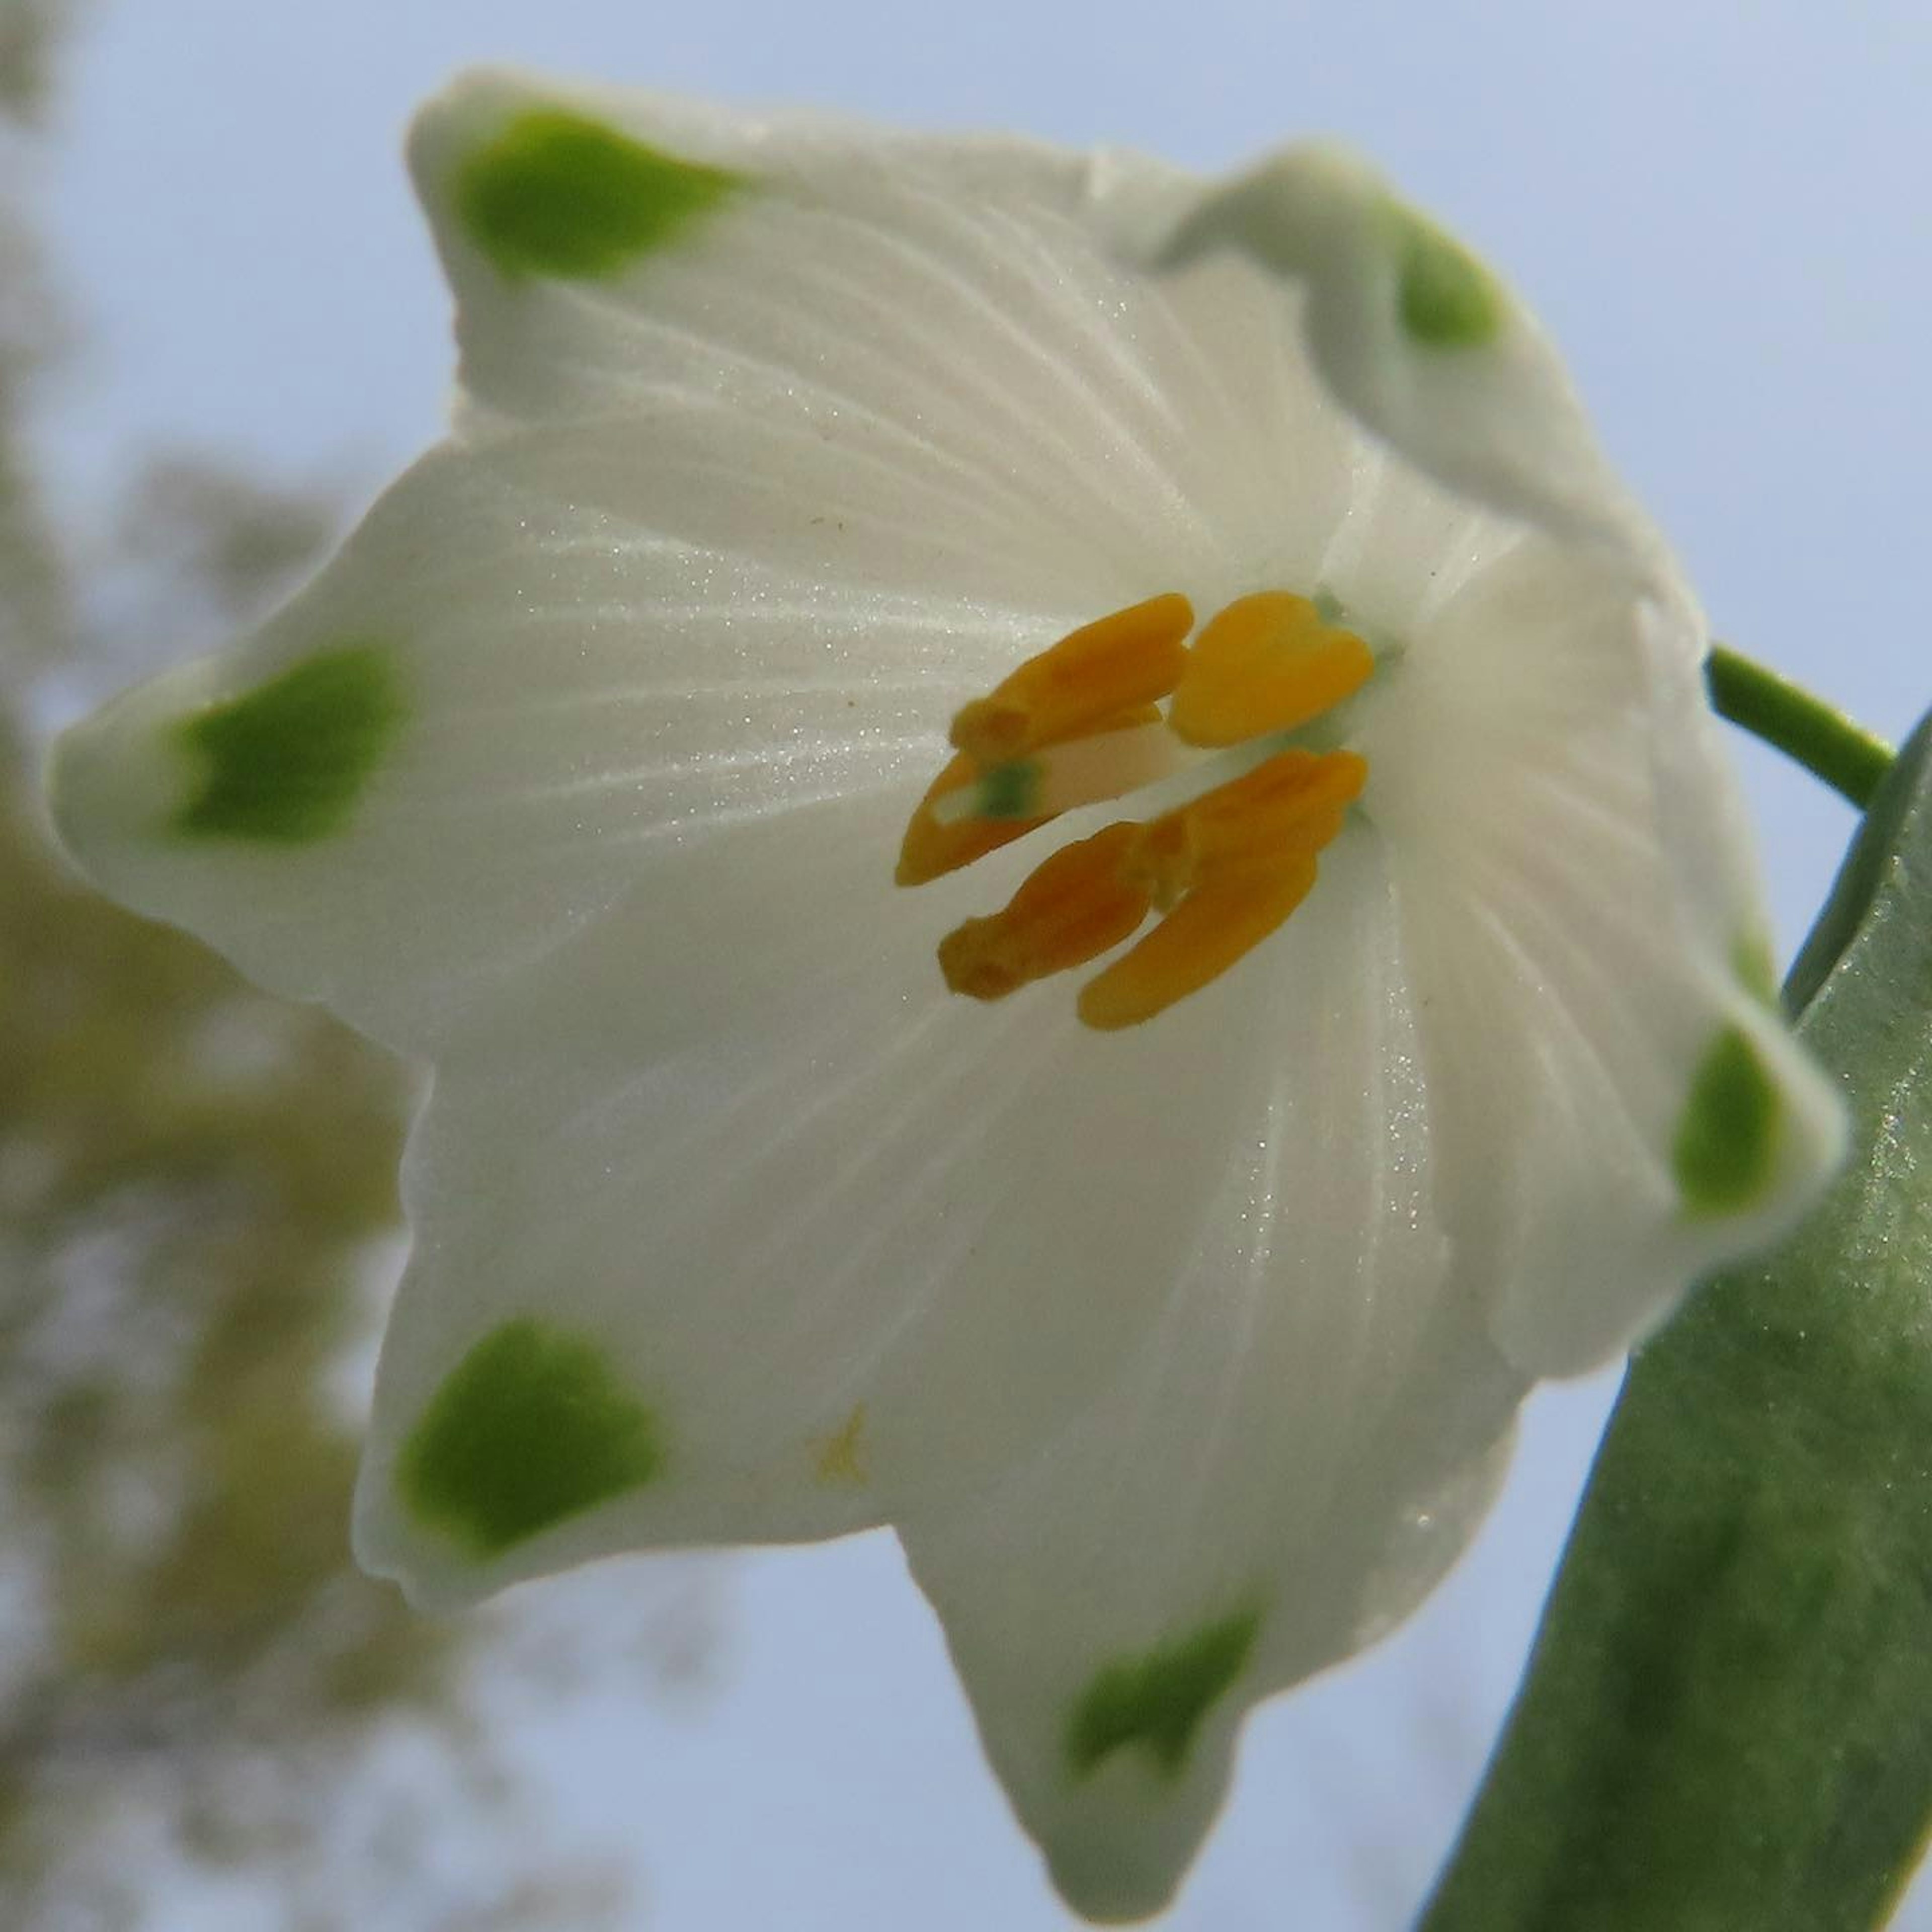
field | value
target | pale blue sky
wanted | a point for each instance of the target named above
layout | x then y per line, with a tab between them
1718	208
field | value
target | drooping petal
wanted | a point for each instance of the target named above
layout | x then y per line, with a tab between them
1620	1109
1415	336
1306	1435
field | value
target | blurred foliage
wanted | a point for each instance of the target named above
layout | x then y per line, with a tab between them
197	1214
191	1180
28	29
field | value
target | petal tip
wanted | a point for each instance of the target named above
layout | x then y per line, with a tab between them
542	184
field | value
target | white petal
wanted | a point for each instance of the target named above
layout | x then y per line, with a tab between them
1306	1435
1577	975
573	663
944	304
736	1142
763	542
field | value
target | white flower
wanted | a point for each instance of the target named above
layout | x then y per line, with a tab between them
1181	1347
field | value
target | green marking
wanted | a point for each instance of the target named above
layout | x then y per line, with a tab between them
1446	299
558	194
1726	1146
284	763
1157	1701
1008	791
530	1428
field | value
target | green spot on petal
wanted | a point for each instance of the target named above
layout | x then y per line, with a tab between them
558	194
284	763
1446	299
1156	1701
1725	1152
531	1427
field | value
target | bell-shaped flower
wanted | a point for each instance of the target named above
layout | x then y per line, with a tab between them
1054	838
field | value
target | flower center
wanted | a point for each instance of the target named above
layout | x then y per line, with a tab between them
1082	723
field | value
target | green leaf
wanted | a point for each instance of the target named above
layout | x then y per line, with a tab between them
1726	1724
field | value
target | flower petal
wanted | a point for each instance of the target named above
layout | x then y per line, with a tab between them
1419	339
950	1226
533	664
560	652
1304	1438
1620	1110
944	305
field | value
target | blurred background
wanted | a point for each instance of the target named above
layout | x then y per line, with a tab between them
220	330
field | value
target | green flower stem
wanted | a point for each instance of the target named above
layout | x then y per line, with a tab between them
1723	1726
1828	744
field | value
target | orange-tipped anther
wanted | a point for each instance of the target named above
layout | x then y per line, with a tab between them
1090	676
1072	908
1267	663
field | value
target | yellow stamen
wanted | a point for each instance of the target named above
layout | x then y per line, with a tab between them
1090	676
1290	802
1267	663
1135	751
1195	943
934	846
1232	865
1080	724
1069	910
967	812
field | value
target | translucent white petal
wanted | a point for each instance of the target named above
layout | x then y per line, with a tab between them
1574	974
1306	1435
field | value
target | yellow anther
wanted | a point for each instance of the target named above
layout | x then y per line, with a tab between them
1070	909
1079	724
1293	801
1267	663
933	846
1195	943
1081	684
1232	865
